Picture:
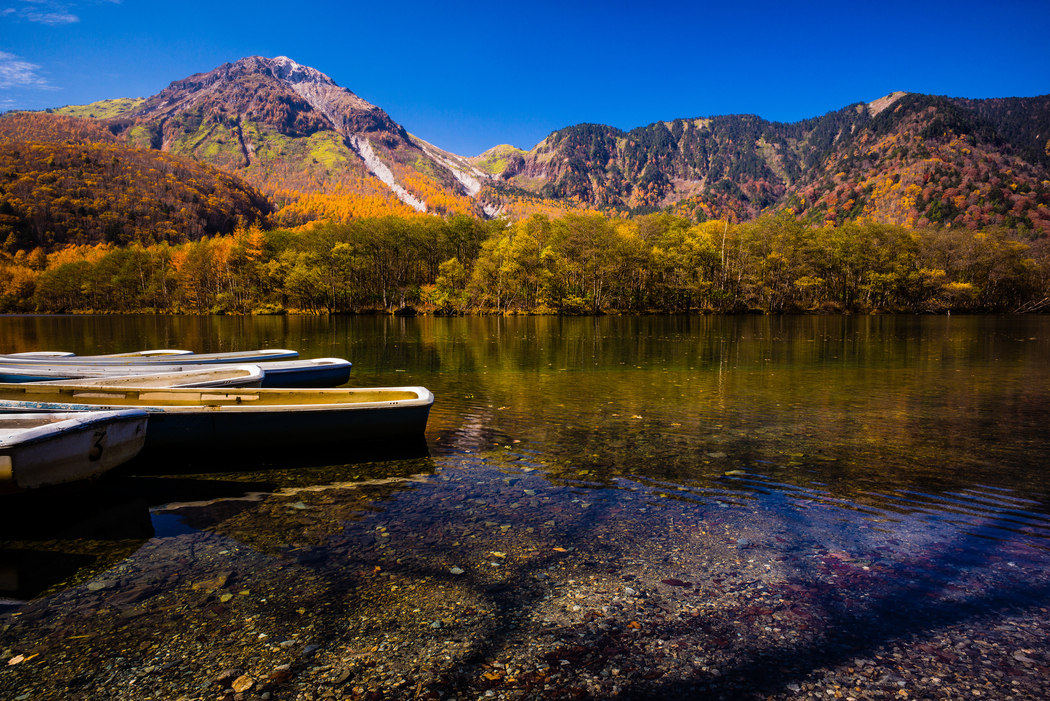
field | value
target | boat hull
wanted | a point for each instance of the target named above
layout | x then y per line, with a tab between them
311	373
246	419
38	451
281	374
276	429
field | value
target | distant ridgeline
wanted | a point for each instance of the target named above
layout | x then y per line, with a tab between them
262	186
908	159
322	152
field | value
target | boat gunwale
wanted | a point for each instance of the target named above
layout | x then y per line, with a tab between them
180	379
270	366
75	421
275	354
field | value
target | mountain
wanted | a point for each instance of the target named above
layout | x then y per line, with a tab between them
906	159
323	152
290	130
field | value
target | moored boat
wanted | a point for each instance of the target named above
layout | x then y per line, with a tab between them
248	418
161	358
41	355
306	373
197	377
303	373
40	449
157	353
45	355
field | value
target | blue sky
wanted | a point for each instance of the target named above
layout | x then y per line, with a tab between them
470	75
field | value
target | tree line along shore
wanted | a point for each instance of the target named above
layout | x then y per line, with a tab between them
576	264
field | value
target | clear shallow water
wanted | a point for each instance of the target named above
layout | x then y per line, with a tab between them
849	431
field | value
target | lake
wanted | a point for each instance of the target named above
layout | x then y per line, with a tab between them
615	506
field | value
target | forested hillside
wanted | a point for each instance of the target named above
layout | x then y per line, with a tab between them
906	159
64	180
926	161
1021	122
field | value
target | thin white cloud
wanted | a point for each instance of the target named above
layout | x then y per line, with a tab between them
16	73
51	18
49	12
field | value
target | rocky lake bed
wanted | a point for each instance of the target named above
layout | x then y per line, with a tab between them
484	580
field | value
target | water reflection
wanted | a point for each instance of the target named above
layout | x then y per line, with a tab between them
57	538
277	468
887	421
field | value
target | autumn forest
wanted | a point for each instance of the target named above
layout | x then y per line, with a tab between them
574	264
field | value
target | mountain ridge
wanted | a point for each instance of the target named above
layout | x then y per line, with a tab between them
739	166
288	128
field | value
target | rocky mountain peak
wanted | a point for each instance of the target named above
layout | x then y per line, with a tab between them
291	72
876	106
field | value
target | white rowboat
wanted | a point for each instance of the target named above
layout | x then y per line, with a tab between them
40	449
160	358
197	377
311	372
247	418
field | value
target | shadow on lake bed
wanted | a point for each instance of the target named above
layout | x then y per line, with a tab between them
486	578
